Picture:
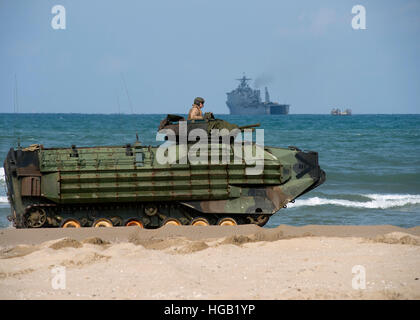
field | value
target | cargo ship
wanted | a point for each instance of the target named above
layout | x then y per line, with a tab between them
245	100
338	112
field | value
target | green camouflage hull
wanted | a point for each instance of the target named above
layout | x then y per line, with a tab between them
47	187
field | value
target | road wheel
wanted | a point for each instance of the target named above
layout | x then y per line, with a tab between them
171	222
71	223
200	222
134	222
227	221
102	223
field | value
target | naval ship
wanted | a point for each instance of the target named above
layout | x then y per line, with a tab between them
245	100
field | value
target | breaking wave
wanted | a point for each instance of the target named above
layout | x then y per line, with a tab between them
3	198
374	201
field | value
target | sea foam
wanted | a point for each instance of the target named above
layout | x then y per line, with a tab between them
377	201
3	199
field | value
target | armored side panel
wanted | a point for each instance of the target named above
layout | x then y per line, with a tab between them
49	186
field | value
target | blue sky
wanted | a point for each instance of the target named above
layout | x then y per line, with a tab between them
169	52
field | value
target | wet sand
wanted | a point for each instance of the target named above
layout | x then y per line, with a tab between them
244	262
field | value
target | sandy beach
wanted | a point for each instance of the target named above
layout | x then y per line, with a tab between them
243	262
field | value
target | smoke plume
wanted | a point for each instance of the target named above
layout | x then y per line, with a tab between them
263	80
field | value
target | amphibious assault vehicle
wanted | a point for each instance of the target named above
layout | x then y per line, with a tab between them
127	185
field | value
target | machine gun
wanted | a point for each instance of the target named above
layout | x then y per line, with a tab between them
249	126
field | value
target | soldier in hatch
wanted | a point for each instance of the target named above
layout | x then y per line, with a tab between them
196	112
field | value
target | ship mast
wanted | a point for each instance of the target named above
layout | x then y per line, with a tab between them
243	81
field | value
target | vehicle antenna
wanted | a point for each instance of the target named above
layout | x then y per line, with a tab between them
15	110
126	91
16	104
118	104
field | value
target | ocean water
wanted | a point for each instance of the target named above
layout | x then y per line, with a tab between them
372	162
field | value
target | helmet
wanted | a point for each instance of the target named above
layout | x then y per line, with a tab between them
198	100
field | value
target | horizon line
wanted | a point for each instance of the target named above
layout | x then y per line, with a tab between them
228	114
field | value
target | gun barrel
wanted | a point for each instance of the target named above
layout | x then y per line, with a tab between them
249	126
